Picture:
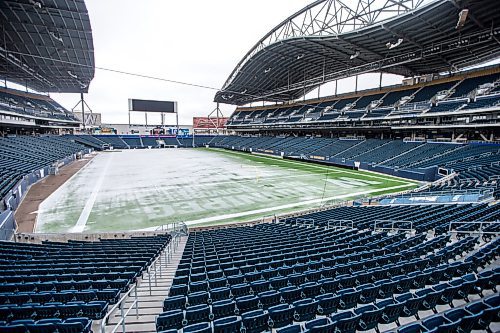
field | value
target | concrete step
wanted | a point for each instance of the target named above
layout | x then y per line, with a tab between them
149	306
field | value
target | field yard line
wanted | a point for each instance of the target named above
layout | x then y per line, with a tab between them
307	202
87	209
243	180
361	172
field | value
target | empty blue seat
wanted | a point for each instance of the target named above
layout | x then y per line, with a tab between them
290	294
227	325
197	314
200	297
176	290
310	289
269	298
327	303
255	321
280	315
173	303
198	328
411	304
305	309
259	286
170	320
217	283
435	322
290	329
368	293
247	303
348	298
198	286
370	316
223	308
431	298
241	289
345	322
218	294
391	310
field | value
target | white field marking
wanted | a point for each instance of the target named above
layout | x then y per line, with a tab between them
242	180
291	205
359	173
87	209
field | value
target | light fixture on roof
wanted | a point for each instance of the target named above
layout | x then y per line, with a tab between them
267	70
354	56
74	76
55	36
36	4
462	17
390	45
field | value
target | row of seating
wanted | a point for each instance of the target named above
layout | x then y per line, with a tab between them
34	285
386	271
69	325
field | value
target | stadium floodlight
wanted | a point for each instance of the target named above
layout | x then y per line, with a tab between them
354	56
74	76
36	4
462	17
55	36
391	46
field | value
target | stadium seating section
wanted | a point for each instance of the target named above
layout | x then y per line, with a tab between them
33	105
372	108
392	153
138	141
295	278
22	155
62	287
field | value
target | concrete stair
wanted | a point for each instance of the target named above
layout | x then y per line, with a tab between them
149	296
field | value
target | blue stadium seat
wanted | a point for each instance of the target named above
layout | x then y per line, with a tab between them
223	308
280	316
227	325
255	321
198	328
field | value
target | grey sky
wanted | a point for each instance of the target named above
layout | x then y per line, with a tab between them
191	41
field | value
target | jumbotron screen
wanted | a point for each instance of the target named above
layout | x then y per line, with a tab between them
142	105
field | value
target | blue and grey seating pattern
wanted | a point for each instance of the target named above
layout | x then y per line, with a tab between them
58	285
23	154
302	279
34	105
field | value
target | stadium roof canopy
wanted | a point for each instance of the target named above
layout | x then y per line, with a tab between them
47	44
330	40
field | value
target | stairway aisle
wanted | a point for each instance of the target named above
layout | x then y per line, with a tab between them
150	302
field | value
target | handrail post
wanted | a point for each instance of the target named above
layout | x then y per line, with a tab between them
136	303
123	319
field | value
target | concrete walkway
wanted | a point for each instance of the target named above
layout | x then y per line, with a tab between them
150	297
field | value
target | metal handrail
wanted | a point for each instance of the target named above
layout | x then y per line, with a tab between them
392	228
168	254
123	314
341	226
472	232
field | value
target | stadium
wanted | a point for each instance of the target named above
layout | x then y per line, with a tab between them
355	186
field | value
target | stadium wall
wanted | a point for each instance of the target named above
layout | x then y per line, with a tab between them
13	199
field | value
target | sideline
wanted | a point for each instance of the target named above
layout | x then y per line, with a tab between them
291	205
369	174
87	209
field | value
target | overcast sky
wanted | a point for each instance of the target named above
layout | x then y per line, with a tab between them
191	41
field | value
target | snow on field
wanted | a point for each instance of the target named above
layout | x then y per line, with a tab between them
138	189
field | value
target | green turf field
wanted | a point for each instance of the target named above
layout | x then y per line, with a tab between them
138	189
